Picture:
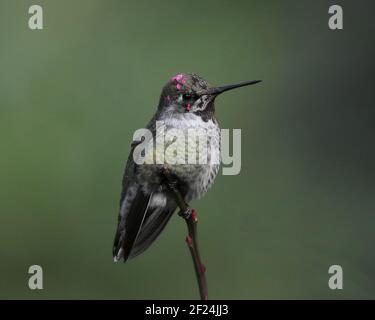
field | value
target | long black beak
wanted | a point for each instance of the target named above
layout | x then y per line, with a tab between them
218	90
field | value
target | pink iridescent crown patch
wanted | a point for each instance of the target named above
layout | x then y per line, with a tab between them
179	79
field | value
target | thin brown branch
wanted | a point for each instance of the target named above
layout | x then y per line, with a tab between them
192	242
191	219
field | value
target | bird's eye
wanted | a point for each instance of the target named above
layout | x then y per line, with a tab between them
190	96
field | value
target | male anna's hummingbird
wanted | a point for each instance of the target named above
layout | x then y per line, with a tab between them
146	204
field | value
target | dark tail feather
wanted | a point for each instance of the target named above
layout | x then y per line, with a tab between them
139	224
130	224
154	223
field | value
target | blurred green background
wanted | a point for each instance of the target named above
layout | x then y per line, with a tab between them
72	95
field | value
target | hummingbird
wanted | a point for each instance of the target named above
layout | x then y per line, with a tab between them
187	101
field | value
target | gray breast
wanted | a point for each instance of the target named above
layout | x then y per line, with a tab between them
197	177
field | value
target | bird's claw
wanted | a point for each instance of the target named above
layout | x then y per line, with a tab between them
186	213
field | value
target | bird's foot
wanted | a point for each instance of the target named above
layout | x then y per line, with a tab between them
172	181
189	213
186	213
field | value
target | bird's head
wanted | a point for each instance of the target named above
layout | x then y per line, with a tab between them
186	92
